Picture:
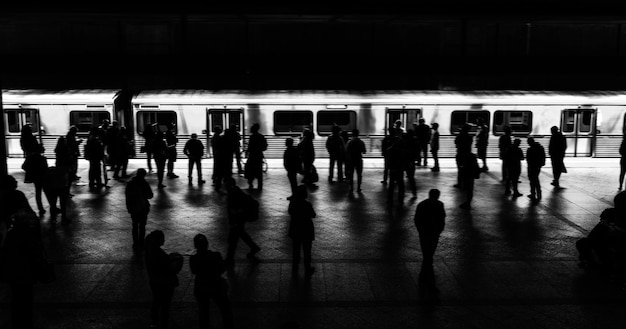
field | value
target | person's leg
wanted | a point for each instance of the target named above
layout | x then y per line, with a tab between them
410	175
63	202
359	174
331	168
340	173
190	165
350	174
425	151
198	162
436	159
149	160
38	190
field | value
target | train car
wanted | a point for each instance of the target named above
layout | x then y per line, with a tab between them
51	113
593	121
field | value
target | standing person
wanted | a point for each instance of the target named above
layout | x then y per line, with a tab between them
125	150
622	162
35	167
94	152
234	138
434	146
355	150
396	158
504	143
557	148
254	166
73	143
346	139
138	192
194	150
429	220
163	279
13	201
160	149
238	203
336	153
112	146
468	170
219	146
301	230
463	142
422	132
28	142
385	145
149	134
291	163
56	186
482	140
411	150
209	284
307	154
171	140
513	158
536	158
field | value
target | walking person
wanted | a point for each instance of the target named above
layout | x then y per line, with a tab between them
138	192
160	152
171	140
422	133
536	158
292	164
622	162
301	230
434	146
336	153
504	143
194	150
254	166
163	278
513	156
208	267
482	141
238	204
429	220
556	149
354	151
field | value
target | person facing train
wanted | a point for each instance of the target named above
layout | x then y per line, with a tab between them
160	150
513	156
336	148
354	160
94	153
74	145
171	139
222	159
194	150
504	142
463	142
434	146
536	158
149	134
307	154
556	149
482	141
257	144
423	135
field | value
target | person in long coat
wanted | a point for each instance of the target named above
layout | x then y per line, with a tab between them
254	166
556	149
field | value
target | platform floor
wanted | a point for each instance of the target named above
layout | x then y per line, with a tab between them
505	264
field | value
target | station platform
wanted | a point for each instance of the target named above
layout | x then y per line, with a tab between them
507	263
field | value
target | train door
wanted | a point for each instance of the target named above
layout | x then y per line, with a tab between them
579	128
226	118
406	116
14	120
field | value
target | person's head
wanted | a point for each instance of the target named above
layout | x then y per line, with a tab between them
507	130
105	123
301	192
27	129
194	136
434	194
517	142
141	173
421	121
336	130
155	239
73	129
289	142
530	141
554	129
200	242
307	133
397	124
435	126
114	123
8	183
218	130
255	128
355	132
465	129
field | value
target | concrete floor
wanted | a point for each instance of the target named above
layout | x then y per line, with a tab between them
505	264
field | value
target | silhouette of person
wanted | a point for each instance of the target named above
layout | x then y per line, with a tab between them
301	229
137	193
28	142
56	186
469	170
622	162
112	146
514	156
430	221
354	160
411	150
171	140
463	142
503	144
221	163
194	150
13	201
94	152
346	139
556	149
234	137
236	203
385	145
65	161
160	152
73	144
163	278
434	146
336	153
208	267
149	134
396	160
292	164
536	158
307	155
35	166
422	132
482	141
254	166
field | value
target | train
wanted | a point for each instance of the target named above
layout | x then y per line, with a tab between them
593	122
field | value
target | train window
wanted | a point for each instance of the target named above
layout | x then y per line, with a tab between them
84	120
459	118
585	121
568	121
289	122
17	118
161	118
521	122
13	121
346	120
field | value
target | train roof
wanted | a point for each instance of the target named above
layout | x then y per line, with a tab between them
386	96
82	96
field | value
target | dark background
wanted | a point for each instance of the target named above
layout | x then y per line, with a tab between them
557	45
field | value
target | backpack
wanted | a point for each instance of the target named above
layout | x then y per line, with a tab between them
252	209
